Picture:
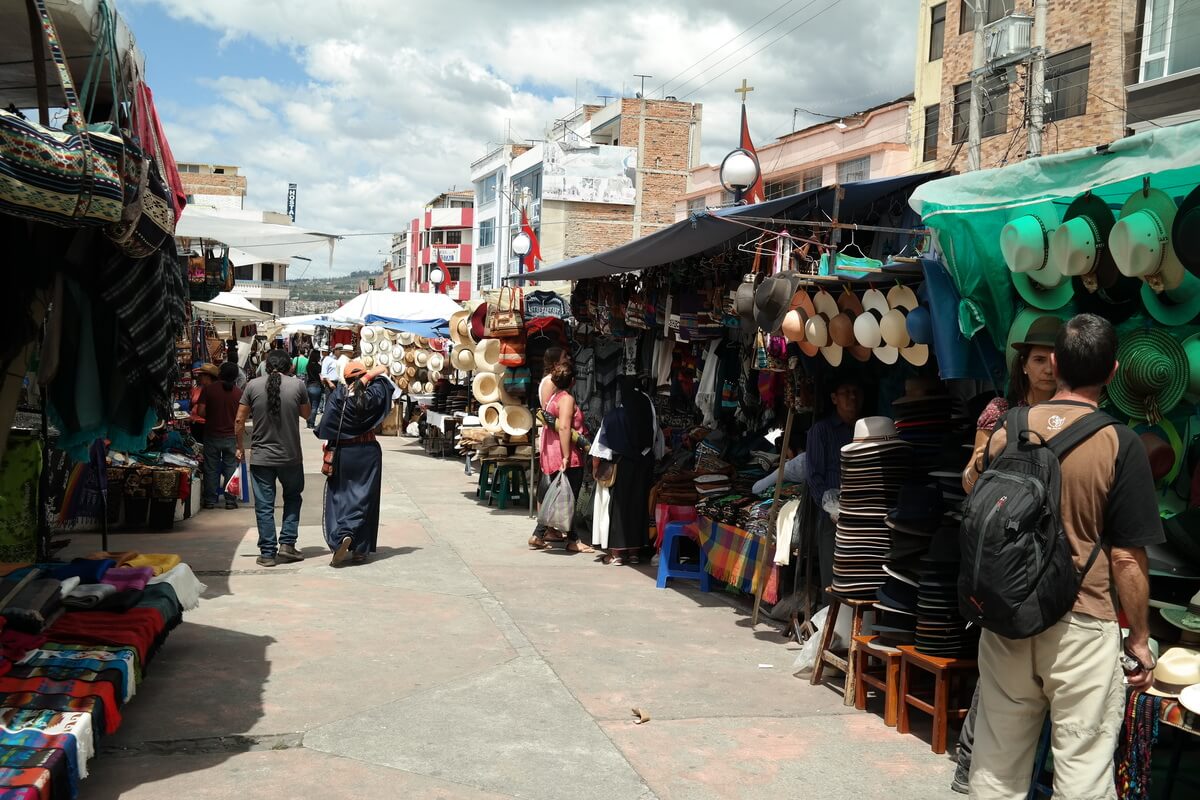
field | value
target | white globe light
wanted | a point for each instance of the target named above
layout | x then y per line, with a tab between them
521	244
436	276
738	170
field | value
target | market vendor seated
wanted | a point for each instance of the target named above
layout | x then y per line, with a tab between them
826	438
795	463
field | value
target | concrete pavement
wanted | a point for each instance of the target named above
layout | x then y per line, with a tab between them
460	664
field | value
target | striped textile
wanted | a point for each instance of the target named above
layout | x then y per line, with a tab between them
733	555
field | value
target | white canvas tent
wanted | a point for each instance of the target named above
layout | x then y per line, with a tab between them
250	241
230	307
412	311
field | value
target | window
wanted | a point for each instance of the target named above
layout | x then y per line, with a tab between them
726	198
856	169
267	305
268	272
696	204
1170	34
929	137
487	189
781	189
486	276
937	31
1067	83
244	272
995	10
487	232
995	109
458	203
453	237
812	179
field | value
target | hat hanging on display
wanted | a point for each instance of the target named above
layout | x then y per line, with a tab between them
405	338
1187	619
1191	349
463	358
1025	245
383	359
410	371
892	325
368	361
1177	669
868	327
396	368
422	358
516	420
919	327
369	333
1185	232
773	298
1041	332
402	382
367	347
434	376
486	387
822	326
1189	698
437	362
410	355
1161	455
1141	240
487	356
852	308
800	309
489	417
456	331
1152	376
1174	307
1079	246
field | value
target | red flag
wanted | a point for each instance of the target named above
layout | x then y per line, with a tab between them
445	284
535	250
755	193
391	286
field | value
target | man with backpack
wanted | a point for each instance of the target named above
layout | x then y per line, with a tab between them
1053	528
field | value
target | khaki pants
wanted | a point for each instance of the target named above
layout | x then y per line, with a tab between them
1071	670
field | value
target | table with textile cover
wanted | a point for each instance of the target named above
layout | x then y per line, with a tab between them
735	557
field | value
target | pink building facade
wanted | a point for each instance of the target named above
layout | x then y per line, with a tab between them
442	231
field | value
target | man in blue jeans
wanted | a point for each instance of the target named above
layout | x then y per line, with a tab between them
218	406
276	403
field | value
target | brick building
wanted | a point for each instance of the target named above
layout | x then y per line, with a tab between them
219	186
868	144
1112	67
605	175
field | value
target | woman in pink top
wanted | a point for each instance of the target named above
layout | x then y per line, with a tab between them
558	454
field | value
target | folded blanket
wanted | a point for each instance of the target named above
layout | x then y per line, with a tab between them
122	557
87	595
88	570
31	607
188	587
128	577
68	585
159	562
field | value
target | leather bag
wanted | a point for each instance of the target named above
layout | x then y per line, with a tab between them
507	319
66	178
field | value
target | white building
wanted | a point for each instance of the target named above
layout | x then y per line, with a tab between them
493	216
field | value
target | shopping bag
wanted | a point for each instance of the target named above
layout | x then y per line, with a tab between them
558	505
233	487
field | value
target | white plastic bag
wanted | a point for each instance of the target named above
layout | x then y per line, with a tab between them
558	506
807	659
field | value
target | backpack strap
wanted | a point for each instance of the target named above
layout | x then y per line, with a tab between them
1078	432
1015	419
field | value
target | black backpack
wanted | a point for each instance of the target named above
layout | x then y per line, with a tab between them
1017	576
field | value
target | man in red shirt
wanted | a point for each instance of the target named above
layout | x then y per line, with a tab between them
219	406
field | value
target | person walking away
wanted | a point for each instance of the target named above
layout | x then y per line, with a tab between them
353	412
826	438
202	376
558	454
347	353
276	404
313	385
329	375
219	404
630	438
300	364
1032	381
1074	668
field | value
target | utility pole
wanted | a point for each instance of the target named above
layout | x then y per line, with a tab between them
642	91
1037	79
978	58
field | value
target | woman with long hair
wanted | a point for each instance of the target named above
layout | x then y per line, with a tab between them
352	413
558	453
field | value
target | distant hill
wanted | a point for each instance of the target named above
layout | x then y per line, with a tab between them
329	289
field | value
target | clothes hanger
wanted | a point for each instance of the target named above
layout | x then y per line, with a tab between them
853	243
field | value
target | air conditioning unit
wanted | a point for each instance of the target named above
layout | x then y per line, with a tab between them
1007	37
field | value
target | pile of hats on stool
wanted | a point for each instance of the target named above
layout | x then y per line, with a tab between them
924	420
874	465
941	629
911	524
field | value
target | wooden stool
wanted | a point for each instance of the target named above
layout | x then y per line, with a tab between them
885	678
948	675
843	660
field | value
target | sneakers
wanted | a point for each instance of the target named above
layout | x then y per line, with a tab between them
207	504
342	553
265	561
288	553
962	778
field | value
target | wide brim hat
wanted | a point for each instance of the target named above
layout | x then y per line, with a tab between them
368	361
516	420
819	329
1025	246
1152	376
851	306
463	358
402	382
422	358
1188	618
1018	331
1177	669
369	333
437	362
396	368
1174	307
1191	349
457	333
1041	332
478	322
772	300
383	358
1141	240
211	370
1189	698
489	417
410	355
1185	232
487	356
405	338
1079	246
486	387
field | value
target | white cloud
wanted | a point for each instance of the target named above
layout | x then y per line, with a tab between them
397	98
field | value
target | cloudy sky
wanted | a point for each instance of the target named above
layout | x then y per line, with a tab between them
375	106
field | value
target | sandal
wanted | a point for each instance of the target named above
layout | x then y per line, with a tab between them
614	561
554	536
580	547
538	544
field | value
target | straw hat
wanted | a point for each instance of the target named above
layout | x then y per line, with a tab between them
875	308
457	333
489	417
487	356
516	420
410	355
402	382
368	361
437	362
434	376
1152	377
1025	244
1141	240
211	370
405	338
1189	698
396	368
463	358
817	328
851	308
422	358
383	359
1177	669
486	387
1187	619
410	371
369	333
799	310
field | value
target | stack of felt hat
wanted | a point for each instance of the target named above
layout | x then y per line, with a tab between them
678	488
924	419
874	465
911	524
715	483
941	630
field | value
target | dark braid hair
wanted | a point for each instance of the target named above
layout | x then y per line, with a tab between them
278	364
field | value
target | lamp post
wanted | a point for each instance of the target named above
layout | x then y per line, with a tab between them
520	246
739	171
436	277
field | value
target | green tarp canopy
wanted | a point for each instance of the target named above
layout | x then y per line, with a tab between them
967	212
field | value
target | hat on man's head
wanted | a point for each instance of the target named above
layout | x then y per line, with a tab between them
1152	376
1041	333
346	348
1025	244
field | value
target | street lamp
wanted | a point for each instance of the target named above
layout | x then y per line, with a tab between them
436	276
739	171
521	245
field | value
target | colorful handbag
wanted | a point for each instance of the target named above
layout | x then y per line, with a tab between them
71	179
517	380
512	352
507	319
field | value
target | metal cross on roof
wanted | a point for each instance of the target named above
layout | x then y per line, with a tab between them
743	90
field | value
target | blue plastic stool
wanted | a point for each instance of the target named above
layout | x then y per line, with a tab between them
668	559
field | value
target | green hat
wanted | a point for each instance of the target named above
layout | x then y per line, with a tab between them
1187	619
1185	233
1025	244
1152	376
1079	248
1174	307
